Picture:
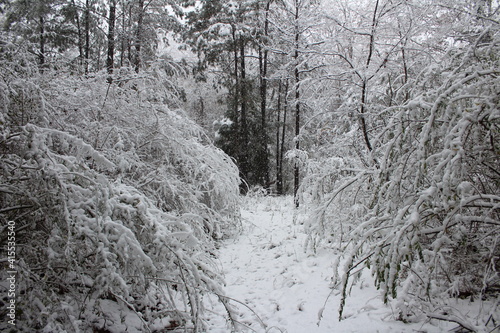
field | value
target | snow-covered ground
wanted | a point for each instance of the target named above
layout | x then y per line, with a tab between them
276	286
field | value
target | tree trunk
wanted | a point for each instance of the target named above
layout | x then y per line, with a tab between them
138	41
362	119
111	38
364	88
283	133
41	55
244	165
263	158
87	35
281	142
81	54
296	173
123	36
236	99
129	44
279	176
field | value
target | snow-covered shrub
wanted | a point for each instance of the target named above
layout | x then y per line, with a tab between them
118	201
257	191
430	228
335	179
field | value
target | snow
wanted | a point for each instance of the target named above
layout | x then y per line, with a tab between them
276	286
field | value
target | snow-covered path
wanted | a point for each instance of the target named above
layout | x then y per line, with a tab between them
277	287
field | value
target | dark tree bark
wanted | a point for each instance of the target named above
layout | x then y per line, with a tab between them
279	176
243	146
296	170
362	119
235	95
87	35
138	39
280	137
263	156
283	134
111	37
364	88
236	79
41	55
81	54
129	44
123	38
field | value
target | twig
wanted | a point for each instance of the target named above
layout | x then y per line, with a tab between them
326	300
453	319
249	308
4	210
494	329
131	307
235	321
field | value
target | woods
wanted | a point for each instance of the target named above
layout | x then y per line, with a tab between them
129	130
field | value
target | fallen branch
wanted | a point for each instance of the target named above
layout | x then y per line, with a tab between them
453	319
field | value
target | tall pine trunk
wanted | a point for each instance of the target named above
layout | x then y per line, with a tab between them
283	134
87	35
236	96
81	55
280	136
296	169
111	38
123	37
263	155
129	44
243	153
138	38
41	55
279	176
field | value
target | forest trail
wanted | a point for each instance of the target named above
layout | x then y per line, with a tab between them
284	288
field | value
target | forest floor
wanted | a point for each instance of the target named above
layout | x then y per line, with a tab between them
277	286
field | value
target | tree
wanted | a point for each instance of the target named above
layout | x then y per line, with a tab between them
147	18
115	193
295	25
421	207
281	133
262	158
223	34
42	23
111	37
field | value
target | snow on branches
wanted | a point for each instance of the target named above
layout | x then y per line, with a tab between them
118	200
429	229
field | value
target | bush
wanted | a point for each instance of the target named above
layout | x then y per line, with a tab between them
118	202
